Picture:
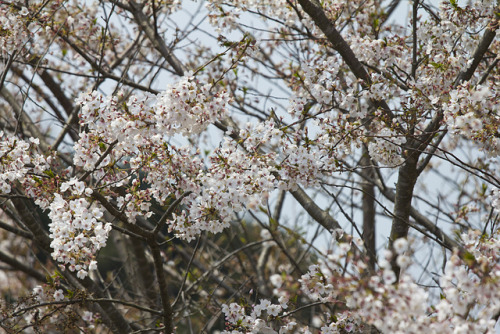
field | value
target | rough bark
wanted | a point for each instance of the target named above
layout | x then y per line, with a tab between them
368	205
407	177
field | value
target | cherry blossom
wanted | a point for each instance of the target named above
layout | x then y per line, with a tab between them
169	165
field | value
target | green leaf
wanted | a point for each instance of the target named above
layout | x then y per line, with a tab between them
102	147
49	173
436	65
484	187
469	258
37	180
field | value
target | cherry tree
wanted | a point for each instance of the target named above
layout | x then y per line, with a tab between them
287	166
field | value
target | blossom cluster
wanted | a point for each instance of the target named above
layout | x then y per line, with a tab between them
169	7
75	229
341	122
56	298
126	153
14	34
188	107
138	135
237	176
473	112
468	303
495	200
17	158
470	286
240	322
387	147
14	156
226	19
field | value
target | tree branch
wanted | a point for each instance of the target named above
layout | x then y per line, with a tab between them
321	216
162	283
340	45
158	43
22	267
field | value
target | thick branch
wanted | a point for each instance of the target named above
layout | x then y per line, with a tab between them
162	283
340	45
26	213
481	49
143	268
423	221
22	267
15	230
318	214
335	39
407	177
57	92
408	174
158	43
368	204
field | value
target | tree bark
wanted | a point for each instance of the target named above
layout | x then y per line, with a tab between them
368	205
407	178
